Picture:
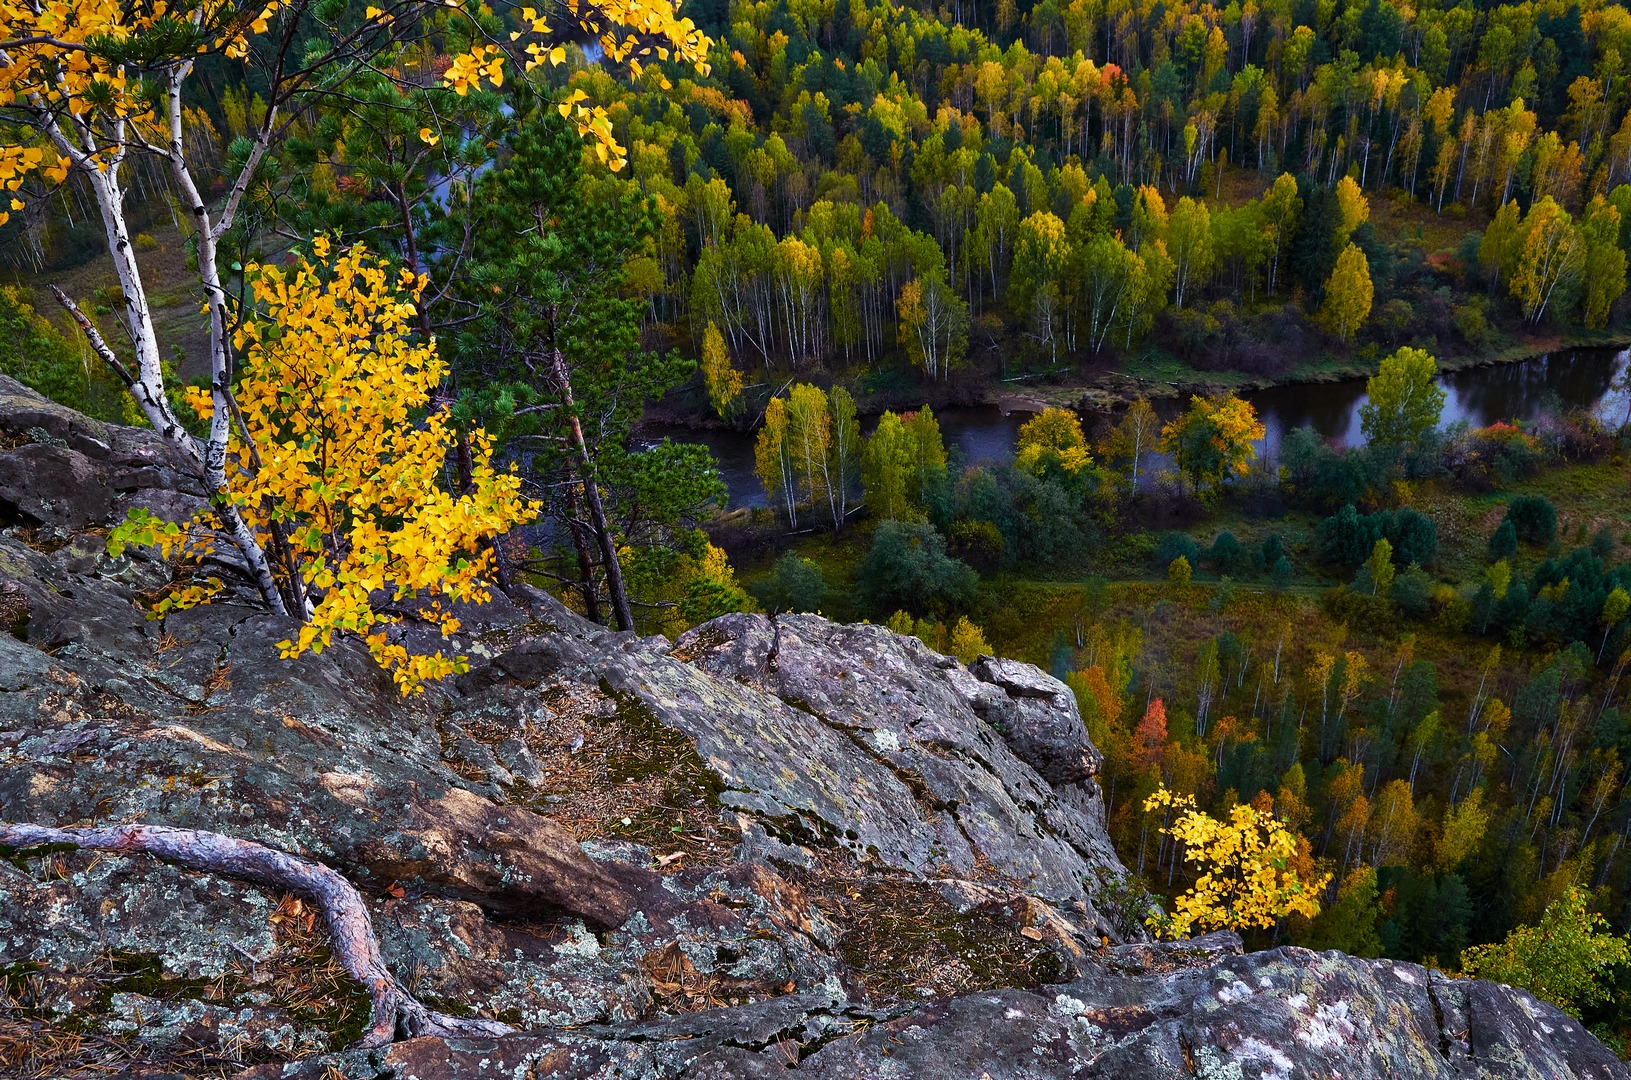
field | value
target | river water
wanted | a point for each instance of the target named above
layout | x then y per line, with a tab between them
1523	390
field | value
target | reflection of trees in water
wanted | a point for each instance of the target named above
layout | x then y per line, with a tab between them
1332	409
1523	390
1579	378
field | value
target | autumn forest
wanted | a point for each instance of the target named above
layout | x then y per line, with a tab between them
443	298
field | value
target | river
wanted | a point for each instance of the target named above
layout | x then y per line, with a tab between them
1521	390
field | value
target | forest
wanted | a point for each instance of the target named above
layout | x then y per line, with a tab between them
408	282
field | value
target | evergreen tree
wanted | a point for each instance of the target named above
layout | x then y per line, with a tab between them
551	360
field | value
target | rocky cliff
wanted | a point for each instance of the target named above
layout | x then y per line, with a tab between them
769	846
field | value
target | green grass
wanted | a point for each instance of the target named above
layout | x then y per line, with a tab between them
1160	366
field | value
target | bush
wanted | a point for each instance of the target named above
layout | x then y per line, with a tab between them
1280	574
968	642
1567	959
1362	611
1503	542
1490	457
1533	518
1176	545
1471	323
1346	537
1414	538
1227	555
794	584
978	543
1321	476
1273	549
1413	593
908	568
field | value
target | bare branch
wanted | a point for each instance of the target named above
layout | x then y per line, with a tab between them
94	336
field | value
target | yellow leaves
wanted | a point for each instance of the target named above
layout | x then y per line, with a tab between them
1053	440
625	29
1247	877
429	137
1214	437
565	108
464	73
199	400
336	392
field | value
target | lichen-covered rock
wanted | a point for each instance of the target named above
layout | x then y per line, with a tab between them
71	471
1037	716
52	485
1146	1013
869	736
320	757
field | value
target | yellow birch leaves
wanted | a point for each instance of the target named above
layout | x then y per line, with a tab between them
336	394
631	32
56	65
1248	878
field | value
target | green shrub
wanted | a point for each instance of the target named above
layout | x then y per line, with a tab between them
1413	593
1280	574
1533	518
908	568
794	584
1177	545
1471	322
1503	542
1227	555
1567	960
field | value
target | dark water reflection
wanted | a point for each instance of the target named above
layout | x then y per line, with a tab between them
1574	378
981	434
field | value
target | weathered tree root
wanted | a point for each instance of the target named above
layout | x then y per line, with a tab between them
395	1012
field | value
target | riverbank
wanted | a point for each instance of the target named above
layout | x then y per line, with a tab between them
1094	388
1159	374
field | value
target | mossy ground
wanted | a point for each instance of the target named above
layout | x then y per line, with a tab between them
903	939
612	772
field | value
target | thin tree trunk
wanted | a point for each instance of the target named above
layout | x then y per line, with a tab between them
586	564
615	590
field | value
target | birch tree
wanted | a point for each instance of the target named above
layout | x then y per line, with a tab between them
89	87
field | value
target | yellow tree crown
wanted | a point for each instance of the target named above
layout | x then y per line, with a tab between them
1247	878
346	453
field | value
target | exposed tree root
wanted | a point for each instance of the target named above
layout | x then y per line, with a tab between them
395	1012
